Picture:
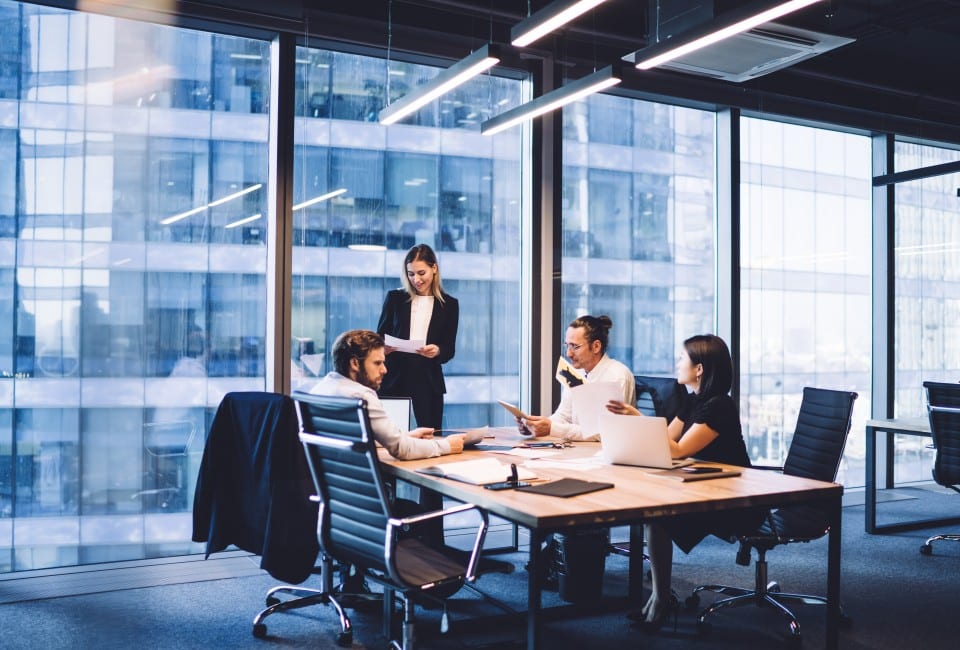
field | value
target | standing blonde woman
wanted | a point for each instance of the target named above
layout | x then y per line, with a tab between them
420	311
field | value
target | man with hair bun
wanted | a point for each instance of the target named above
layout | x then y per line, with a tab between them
585	344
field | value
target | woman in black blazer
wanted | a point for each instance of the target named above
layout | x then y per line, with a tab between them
421	310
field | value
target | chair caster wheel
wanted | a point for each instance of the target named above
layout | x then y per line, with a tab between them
345	639
704	628
926	549
794	641
271	601
692	602
773	587
259	631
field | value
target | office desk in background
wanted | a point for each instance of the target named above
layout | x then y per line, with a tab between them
636	498
890	427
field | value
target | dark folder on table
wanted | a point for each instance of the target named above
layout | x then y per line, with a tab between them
566	487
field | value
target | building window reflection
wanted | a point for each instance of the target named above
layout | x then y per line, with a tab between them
638	225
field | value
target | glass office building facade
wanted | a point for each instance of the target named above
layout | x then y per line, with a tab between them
135	256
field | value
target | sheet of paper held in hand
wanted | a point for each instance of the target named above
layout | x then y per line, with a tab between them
403	345
514	411
590	400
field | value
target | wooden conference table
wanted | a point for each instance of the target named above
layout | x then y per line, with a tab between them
636	498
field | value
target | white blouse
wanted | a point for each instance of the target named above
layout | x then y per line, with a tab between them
421	309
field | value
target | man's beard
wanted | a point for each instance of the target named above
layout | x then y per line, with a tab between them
366	380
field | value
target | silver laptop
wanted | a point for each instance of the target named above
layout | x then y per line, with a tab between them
636	440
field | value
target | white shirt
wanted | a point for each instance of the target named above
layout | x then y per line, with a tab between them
421	309
396	441
564	422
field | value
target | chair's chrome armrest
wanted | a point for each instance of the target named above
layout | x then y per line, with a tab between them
471	574
771	468
433	514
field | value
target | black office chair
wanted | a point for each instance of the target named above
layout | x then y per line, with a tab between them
943	407
660	396
656	396
815	451
253	492
358	525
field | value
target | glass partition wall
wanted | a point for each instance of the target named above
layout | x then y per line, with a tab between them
805	225
130	303
133	257
927	291
364	194
638	225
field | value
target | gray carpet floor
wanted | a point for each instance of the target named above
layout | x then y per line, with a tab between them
896	597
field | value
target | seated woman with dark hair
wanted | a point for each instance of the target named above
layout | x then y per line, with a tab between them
708	427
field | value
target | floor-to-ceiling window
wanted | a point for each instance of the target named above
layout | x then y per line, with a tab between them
805	280
638	224
131	298
365	193
927	291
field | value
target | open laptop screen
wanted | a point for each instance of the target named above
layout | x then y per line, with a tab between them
399	411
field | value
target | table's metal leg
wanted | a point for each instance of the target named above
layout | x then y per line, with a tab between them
635	574
888	477
870	487
533	589
833	573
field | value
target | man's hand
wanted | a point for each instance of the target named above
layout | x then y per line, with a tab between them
429	351
388	349
538	425
422	432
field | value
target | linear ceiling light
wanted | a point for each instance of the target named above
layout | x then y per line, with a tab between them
551	17
732	22
571	92
460	72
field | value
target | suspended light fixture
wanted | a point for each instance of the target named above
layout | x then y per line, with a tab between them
571	92
551	17
460	72
726	25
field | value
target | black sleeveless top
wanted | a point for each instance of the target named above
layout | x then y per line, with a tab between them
720	414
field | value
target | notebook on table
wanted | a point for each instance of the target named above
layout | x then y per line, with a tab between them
566	487
638	440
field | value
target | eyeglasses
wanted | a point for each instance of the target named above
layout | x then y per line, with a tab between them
572	346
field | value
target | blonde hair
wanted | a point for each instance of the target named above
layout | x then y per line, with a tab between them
425	254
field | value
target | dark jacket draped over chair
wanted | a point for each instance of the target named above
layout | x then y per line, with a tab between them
254	486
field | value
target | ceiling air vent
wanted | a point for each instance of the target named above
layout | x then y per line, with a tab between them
756	52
